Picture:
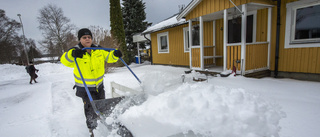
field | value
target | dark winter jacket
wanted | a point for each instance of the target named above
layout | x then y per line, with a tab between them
32	69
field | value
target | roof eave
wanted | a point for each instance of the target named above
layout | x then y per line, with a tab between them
163	28
188	9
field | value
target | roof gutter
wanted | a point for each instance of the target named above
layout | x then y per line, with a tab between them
277	39
188	9
150	47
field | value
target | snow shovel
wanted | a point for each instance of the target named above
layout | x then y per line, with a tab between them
108	49
106	106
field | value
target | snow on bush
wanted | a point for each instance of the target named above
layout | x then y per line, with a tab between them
201	109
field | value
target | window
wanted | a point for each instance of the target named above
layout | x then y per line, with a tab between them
186	39
302	24
163	42
305	24
196	35
234	30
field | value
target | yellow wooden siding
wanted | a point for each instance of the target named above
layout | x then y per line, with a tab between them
176	55
256	56
219	41
262	25
196	57
208	51
304	60
208	33
208	41
210	6
233	54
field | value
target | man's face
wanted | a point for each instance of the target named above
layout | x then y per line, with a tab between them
86	40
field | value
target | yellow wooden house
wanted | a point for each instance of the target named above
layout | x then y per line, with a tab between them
282	36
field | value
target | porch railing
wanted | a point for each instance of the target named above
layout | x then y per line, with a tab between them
196	63
233	56
256	56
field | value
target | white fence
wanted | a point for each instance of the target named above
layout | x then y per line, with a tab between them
116	86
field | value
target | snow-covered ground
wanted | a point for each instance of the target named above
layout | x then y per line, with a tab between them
219	107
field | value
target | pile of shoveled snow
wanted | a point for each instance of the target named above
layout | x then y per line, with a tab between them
200	109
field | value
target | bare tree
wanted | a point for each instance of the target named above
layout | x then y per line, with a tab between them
110	42
9	40
71	40
99	33
56	27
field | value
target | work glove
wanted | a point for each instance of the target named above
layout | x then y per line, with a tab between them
78	53
117	53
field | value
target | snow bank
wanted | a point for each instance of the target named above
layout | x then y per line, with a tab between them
53	68
201	109
12	72
157	82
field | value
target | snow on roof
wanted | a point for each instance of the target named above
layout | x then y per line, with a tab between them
168	23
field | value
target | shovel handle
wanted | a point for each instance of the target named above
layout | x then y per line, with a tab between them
87	90
109	49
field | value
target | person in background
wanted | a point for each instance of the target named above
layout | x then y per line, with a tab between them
92	66
32	72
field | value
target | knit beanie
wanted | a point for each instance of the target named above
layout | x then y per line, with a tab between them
84	31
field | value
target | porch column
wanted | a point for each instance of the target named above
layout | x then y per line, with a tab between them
214	41
225	38
243	38
190	42
269	35
201	44
138	52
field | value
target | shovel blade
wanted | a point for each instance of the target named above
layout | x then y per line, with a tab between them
106	106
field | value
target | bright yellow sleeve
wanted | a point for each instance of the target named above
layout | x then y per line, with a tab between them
67	59
110	58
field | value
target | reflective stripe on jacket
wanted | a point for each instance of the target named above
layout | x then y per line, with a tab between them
92	65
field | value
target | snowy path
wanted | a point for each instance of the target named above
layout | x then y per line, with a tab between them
48	108
66	108
15	116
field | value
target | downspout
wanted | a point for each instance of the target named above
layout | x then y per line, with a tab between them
277	39
144	35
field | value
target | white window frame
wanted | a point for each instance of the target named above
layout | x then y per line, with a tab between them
254	33
186	41
159	42
290	25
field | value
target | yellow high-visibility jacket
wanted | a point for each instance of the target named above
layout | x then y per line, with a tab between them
92	65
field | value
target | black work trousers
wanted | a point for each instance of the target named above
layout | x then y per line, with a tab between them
91	116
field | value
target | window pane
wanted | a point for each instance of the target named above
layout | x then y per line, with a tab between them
163	40
307	23
187	40
249	28
195	35
234	30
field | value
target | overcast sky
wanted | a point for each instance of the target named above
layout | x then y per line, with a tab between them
82	13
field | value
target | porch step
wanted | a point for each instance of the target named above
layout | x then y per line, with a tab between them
260	74
209	65
208	72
